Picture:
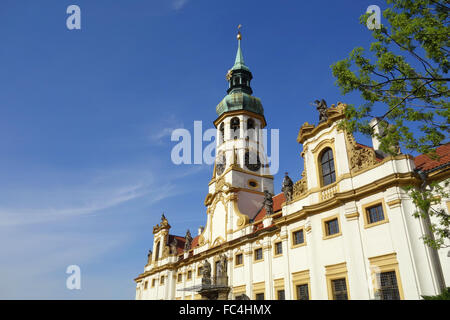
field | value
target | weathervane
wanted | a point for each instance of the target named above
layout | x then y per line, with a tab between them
239	36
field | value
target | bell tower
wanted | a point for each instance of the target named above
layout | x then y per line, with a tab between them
241	173
240	158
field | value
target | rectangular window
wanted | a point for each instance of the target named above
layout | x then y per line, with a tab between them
145	285
189	275
153	282
280	295
200	271
162	280
298	237
302	292
258	254
239	260
259	296
332	227
180	277
387	284
278	248
375	213
339	289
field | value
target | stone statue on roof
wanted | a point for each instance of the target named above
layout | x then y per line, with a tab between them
173	246
287	187
149	256
268	202
164	221
188	238
322	108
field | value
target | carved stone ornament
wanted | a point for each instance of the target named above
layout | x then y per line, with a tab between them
164	225
300	187
360	158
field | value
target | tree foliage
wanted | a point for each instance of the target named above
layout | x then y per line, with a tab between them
427	199
406	72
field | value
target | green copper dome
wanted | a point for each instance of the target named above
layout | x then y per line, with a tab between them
239	101
239	92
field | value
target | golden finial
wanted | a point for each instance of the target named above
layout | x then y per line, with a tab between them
239	36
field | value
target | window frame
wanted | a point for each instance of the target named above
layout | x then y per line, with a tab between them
254	254
236	260
325	227
189	275
179	277
335	272
296	290
319	162
367	206
275	254
385	263
300	278
293	244
259	288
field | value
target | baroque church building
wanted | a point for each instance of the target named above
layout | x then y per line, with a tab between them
345	230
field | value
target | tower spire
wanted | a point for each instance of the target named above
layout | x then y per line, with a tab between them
239	61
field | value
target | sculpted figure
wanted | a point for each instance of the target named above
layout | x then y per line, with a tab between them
322	108
188	237
268	202
173	246
287	187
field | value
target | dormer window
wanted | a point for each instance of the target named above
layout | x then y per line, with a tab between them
327	167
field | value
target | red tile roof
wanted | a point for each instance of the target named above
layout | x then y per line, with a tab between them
425	163
194	242
277	201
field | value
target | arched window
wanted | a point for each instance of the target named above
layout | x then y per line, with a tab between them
250	124
327	167
222	132
251	132
235	125
157	251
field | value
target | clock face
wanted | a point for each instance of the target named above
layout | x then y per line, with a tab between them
252	161
221	163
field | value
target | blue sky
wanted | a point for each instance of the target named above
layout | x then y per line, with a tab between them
86	116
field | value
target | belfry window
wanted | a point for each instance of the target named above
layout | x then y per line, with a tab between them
222	133
235	125
250	124
327	167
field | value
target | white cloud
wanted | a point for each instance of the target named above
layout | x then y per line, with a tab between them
179	4
160	134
